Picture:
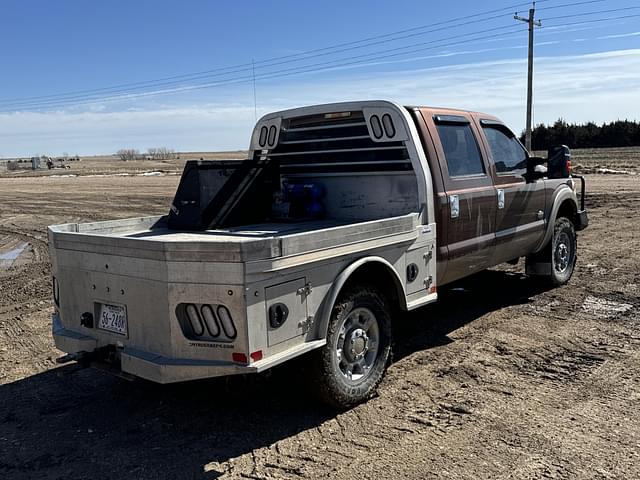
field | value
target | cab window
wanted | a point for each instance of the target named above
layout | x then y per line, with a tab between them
460	149
509	156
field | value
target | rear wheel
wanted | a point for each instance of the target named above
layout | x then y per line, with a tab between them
353	361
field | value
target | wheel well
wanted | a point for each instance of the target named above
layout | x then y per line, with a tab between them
383	279
568	210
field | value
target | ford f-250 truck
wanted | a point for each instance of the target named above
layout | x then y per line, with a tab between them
341	215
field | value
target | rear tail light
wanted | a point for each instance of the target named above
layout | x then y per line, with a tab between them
383	128
389	129
239	357
210	321
194	320
226	322
262	141
376	127
206	322
271	139
257	355
337	115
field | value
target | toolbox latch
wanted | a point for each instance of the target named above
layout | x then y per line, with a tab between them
304	291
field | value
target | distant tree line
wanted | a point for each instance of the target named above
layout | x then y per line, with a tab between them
621	133
160	153
126	154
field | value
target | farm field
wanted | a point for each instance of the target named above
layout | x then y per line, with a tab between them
501	378
623	160
112	165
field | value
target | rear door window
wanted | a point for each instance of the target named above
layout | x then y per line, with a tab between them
460	149
509	156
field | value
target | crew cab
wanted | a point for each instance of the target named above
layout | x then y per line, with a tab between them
341	215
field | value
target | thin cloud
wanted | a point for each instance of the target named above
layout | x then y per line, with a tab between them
620	35
600	87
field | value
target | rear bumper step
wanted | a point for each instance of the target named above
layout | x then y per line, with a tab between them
150	366
157	368
170	370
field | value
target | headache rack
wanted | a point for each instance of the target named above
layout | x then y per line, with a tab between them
327	144
325	148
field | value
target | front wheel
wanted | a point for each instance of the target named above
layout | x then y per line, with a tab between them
560	254
353	361
563	251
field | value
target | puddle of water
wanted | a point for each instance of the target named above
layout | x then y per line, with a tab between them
603	308
7	258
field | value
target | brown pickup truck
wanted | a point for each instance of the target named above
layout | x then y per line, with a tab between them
494	202
341	215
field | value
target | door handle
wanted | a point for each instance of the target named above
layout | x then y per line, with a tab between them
500	199
454	206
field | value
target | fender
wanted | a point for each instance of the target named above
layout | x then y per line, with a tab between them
562	193
324	312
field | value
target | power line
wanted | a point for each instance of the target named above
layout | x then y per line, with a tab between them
282	73
157	83
372	54
597	20
315	67
585	14
290	71
222	71
251	67
574	4
537	23
255	98
369	57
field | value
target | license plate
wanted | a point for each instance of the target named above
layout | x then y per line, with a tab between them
112	318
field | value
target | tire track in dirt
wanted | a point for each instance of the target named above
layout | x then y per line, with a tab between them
500	380
503	361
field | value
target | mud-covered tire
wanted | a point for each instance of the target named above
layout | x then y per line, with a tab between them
564	247
559	255
359	340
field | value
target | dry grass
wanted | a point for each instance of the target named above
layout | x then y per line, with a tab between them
584	160
112	164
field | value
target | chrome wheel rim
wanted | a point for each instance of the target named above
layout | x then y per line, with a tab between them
357	344
562	253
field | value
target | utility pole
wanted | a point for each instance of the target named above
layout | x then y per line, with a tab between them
255	100
532	24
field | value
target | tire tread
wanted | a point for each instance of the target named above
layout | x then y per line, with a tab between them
327	387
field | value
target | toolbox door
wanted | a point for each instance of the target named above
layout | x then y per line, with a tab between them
286	311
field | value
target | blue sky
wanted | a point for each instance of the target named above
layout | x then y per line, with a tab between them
98	55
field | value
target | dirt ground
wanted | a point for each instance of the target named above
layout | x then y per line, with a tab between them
500	379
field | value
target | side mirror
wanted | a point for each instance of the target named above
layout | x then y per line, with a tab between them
536	168
559	162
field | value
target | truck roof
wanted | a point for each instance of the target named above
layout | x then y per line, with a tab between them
353	105
446	109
